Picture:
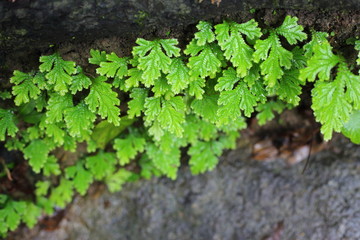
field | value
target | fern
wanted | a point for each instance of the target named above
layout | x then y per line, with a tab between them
172	101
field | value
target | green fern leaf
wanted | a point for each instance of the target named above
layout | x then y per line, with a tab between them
11	214
79	121
25	89
103	99
233	100
316	39
116	180
330	106
227	80
51	167
178	76
357	47
172	115
162	88
7	124
80	81
62	195
137	102
128	148
289	88
37	153
152	108
352	83
266	111
229	36
135	77
97	57
196	88
31	214
156	61
167	163
205	64
275	58
114	66
57	106
206	107
205	33
81	177
291	30
204	156
351	128
58	72
101	164
320	64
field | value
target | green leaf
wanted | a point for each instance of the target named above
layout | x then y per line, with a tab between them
57	106
178	76
62	194
233	100
127	148
7	124
114	66
137	103
205	64
80	81
352	83
266	111
320	64
97	57
152	108
104	132
42	188
204	156
116	180
357	47
103	100
351	128
316	39
58	72
162	88
275	58
135	77
33	212
196	88
206	107
81	177
101	165
37	153
167	163
52	167
205	33
5	95
330	106
156	61
231	41
10	216
289	88
291	30
79	121
172	115
25	89
227	80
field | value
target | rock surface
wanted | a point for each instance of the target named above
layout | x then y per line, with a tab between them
240	200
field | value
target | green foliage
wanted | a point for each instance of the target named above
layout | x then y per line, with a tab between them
172	101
